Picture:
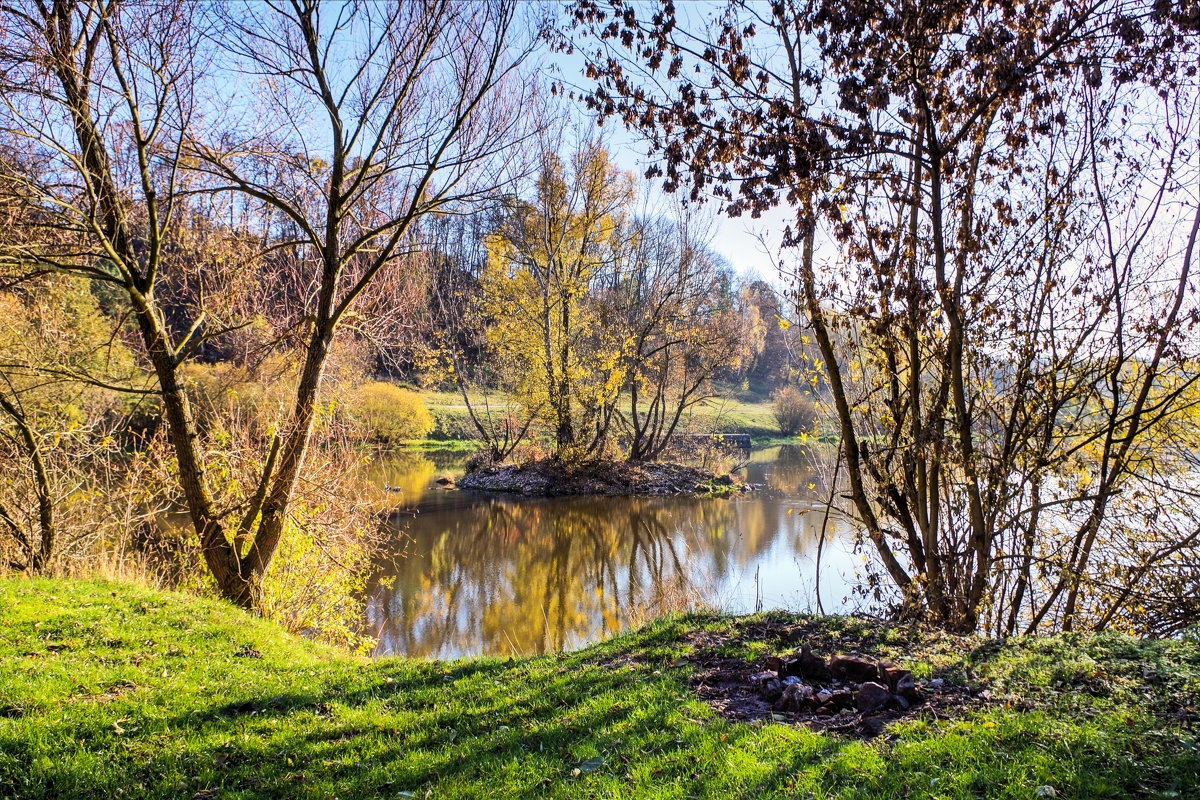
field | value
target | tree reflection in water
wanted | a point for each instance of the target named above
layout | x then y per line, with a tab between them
500	575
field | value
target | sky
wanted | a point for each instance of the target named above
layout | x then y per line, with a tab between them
738	240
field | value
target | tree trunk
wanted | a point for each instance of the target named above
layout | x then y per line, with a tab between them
38	555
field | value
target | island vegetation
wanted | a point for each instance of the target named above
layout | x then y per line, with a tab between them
247	247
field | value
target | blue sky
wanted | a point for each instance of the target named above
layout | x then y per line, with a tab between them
736	239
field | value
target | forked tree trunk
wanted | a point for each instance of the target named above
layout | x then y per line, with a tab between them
113	225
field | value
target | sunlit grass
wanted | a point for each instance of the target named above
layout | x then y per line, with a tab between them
724	414
118	691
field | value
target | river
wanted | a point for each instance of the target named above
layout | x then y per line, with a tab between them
479	574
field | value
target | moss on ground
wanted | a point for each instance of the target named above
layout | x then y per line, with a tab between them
116	691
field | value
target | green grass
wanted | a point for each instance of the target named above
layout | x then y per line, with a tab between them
717	414
452	422
729	415
118	691
460	445
114	691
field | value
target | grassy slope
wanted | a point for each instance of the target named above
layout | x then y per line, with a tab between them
110	691
729	415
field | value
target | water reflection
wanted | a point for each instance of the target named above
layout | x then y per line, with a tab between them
501	575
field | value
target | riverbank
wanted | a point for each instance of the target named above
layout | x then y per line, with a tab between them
111	690
550	478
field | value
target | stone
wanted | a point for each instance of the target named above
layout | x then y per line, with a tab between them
824	696
760	678
842	699
791	679
853	669
445	480
871	696
901	682
774	663
906	687
812	667
768	685
790	666
551	478
889	674
796	697
936	683
901	702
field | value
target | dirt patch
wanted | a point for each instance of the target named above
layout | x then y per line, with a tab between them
860	696
548	478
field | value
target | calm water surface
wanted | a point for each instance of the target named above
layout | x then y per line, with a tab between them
476	573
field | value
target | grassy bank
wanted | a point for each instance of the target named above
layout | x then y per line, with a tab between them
113	691
715	415
460	445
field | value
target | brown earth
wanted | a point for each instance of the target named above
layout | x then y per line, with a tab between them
734	686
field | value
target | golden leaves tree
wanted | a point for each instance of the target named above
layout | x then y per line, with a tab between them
543	263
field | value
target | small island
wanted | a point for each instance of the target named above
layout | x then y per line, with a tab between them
551	477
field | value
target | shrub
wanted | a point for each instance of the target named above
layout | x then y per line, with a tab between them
260	394
317	580
795	412
388	413
331	545
227	393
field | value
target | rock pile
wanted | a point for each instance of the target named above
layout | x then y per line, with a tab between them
807	683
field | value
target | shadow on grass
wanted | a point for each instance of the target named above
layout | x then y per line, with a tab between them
615	720
522	730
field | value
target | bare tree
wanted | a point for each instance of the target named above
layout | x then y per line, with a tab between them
414	101
1000	302
659	298
411	109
